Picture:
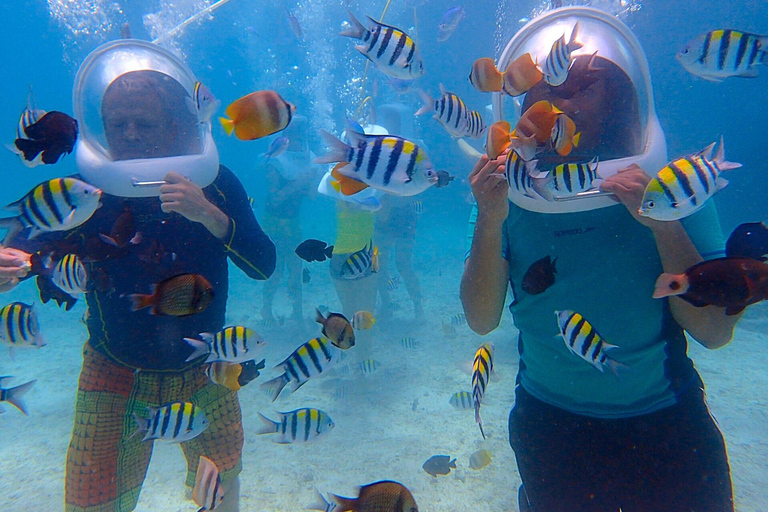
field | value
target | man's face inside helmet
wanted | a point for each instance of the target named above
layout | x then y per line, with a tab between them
602	102
148	114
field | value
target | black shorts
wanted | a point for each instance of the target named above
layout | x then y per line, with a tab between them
672	460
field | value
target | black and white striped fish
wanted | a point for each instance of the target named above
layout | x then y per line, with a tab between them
518	174
408	342
481	374
207	492
312	358
459	319
389	48
567	180
70	275
462	400
30	116
559	59
175	422
358	263
683	186
583	340
368	366
451	112
19	327
722	53
234	344
298	426
384	162
56	205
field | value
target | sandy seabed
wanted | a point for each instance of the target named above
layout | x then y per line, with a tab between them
387	423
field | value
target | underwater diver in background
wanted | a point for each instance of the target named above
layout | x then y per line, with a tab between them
142	124
585	440
395	230
290	178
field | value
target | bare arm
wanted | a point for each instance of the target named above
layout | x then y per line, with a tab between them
709	325
484	283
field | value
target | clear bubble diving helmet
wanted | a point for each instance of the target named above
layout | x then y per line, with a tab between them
612	40
134	102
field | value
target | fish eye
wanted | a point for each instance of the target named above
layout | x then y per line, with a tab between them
686	51
650	204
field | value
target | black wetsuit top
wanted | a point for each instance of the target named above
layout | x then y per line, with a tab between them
170	245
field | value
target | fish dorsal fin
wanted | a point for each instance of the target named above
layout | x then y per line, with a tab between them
707	151
374	24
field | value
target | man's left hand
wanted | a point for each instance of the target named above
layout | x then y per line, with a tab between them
628	185
187	199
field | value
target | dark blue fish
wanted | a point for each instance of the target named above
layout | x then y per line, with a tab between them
50	137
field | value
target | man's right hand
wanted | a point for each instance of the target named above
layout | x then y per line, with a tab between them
14	264
489	186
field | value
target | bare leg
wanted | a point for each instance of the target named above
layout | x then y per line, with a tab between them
404	261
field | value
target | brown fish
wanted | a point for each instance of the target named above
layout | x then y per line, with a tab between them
337	328
730	283
439	465
182	295
257	115
123	231
539	276
382	496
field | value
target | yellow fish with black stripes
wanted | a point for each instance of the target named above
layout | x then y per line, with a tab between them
312	358
384	162
19	327
388	48
298	426
583	340
175	422
481	374
684	185
233	344
724	53
59	204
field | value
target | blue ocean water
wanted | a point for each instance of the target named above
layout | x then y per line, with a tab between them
248	45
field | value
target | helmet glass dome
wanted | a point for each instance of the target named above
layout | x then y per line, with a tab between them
138	120
609	98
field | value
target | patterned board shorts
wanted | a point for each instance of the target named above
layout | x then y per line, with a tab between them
106	467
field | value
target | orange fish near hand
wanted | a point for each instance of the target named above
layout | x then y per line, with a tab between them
534	127
257	115
498	139
564	136
521	75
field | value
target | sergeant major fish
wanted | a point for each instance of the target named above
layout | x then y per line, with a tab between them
358	263
567	180
298	426
720	54
14	395
19	327
559	59
59	204
311	358
234	344
481	373
583	340
384	162
389	48
175	421
684	185
452	113
70	275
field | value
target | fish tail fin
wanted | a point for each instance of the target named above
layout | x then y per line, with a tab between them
275	386
573	44
108	239
356	29
616	367
15	396
722	163
14	227
142	425
670	284
328	251
429	102
338	149
227	124
30	148
141	301
524	146
575	140
479	420
267	425
319	318
345	503
201	348
320	503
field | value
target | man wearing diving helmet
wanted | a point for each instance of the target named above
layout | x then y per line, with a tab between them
587	438
148	146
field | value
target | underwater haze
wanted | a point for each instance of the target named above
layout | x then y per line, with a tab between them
393	415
